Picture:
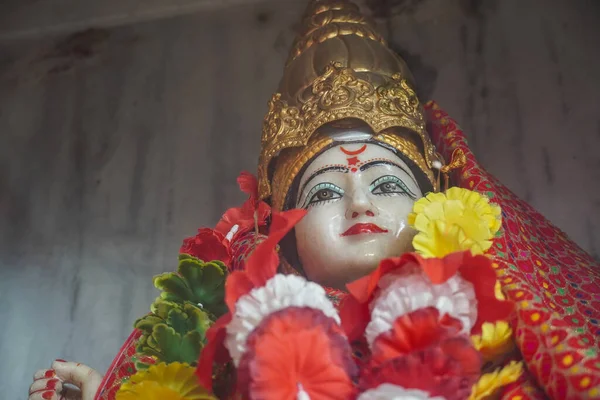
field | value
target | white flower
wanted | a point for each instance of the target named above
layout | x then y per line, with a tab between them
387	391
400	294
279	292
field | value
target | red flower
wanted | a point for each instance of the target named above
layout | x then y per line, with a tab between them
426	353
260	267
432	370
297	349
412	332
207	245
252	213
477	270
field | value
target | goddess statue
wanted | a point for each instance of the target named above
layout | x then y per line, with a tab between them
347	140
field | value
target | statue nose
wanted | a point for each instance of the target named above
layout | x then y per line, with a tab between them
360	205
368	213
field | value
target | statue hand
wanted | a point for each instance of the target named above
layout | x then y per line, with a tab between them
49	384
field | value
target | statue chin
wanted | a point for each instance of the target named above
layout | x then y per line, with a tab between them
338	275
336	264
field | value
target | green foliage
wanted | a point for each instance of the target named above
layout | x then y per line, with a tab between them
198	282
173	332
190	301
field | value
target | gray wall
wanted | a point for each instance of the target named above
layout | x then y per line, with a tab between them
117	143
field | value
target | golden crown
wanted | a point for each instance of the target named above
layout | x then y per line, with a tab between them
339	68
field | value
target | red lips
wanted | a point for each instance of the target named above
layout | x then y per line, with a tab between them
359	229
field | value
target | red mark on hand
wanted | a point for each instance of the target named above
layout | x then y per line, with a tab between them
353	153
47	395
50	374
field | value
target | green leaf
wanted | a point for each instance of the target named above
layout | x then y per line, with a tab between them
174	332
197	282
175	346
177	320
189	302
146	323
172	283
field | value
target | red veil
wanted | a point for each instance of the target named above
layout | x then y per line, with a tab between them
554	283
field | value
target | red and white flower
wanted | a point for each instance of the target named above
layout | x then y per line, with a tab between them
282	332
424	351
280	292
410	290
460	284
297	353
261	266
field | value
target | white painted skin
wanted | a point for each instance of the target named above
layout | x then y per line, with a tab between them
381	190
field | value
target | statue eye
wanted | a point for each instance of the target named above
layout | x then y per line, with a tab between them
322	193
390	185
325	194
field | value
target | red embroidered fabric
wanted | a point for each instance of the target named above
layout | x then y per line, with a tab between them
121	368
555	284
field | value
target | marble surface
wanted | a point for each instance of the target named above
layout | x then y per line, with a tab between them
116	144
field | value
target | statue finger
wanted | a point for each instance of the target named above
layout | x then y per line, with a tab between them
70	393
79	375
45	395
44	374
44	385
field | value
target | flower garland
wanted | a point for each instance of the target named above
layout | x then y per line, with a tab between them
435	322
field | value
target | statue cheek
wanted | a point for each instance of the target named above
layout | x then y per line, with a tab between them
320	224
318	231
395	210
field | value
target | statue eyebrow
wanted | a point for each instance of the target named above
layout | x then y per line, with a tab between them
335	168
376	163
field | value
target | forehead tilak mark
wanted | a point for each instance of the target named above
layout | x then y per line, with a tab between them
353	159
355	152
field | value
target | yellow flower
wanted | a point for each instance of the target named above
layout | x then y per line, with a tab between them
174	381
488	384
495	340
498	291
457	220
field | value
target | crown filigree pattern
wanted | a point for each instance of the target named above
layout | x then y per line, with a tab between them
338	94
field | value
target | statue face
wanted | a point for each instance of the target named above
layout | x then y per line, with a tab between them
358	196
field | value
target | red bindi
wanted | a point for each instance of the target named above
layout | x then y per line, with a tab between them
353	161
